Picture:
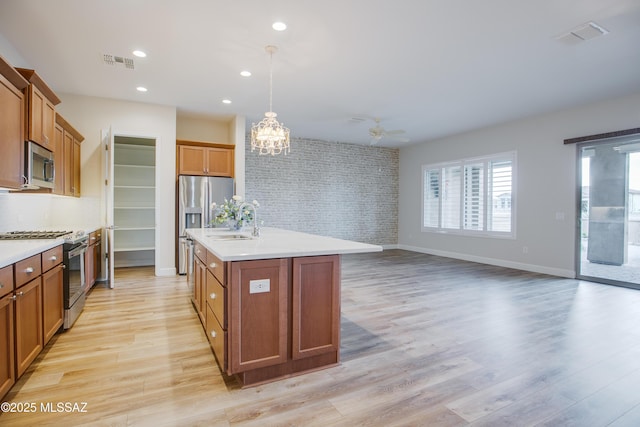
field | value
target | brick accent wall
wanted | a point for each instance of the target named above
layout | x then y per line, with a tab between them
334	189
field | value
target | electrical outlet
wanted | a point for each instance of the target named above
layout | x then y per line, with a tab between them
259	286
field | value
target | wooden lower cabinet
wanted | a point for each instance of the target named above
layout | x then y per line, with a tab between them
31	311
217	337
269	319
28	324
258	321
7	349
93	259
315	306
52	302
200	277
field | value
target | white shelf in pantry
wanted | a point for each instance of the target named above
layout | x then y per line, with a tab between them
134	207
134	249
133	228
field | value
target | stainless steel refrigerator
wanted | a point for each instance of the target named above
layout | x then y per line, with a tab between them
195	195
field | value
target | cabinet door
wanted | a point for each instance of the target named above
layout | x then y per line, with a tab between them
89	267
58	138
97	258
42	116
258	306
219	162
11	135
67	142
315	306
28	324
199	288
48	124
191	160
76	167
7	366
36	105
52	302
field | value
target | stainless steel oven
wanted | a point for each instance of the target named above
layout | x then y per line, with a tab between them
74	279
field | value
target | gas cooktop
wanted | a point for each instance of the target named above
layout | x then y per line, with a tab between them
24	235
73	237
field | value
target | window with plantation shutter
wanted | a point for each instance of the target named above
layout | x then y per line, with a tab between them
470	196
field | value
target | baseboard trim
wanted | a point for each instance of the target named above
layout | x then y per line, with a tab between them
533	268
166	271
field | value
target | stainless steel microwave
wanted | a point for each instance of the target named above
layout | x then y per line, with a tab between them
39	167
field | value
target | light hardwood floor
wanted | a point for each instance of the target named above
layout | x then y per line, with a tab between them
426	341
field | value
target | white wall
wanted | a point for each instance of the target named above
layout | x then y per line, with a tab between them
546	185
90	115
203	128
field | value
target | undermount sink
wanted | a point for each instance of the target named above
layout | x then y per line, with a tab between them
228	236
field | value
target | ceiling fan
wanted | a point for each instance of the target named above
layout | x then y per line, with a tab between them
378	132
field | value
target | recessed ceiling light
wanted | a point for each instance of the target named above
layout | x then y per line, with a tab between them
141	89
139	54
245	73
226	101
279	26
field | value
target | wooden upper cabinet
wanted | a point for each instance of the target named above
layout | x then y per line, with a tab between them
205	160
12	126
70	154
41	110
58	138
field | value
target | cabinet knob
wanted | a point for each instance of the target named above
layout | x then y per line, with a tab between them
28	270
213	334
93	238
213	265
197	251
212	296
53	258
63	266
20	294
1	285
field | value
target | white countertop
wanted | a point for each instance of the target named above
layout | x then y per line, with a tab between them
12	251
275	243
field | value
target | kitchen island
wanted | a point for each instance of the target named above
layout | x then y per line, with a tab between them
270	305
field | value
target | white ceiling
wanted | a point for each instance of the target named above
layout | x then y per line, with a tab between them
430	67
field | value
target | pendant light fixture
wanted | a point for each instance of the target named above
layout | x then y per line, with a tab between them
268	136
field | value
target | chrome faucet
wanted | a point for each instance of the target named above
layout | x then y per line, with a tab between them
256	229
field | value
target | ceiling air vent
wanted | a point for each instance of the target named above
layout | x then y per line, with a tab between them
582	33
118	61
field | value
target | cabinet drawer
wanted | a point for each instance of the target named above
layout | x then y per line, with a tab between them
217	339
51	258
216	298
200	251
216	267
27	269
6	280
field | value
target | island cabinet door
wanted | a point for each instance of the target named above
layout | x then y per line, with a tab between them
257	323
315	306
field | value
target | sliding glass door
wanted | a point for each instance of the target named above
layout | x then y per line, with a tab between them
609	235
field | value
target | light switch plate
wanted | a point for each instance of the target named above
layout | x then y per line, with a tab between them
259	286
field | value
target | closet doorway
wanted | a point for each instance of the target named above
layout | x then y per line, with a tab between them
130	201
608	244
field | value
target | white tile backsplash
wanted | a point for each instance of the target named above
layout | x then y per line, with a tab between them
24	211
